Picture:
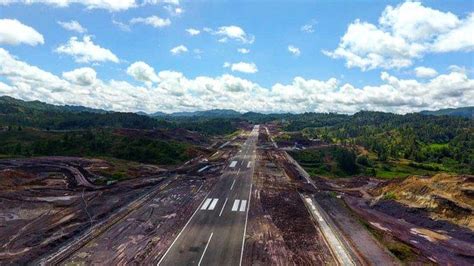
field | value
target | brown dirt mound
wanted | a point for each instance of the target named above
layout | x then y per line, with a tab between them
447	197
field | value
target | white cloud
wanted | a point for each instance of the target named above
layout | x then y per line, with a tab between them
179	50
404	33
309	27
173	10
458	39
85	76
243	50
142	72
425	72
294	50
111	5
72	26
192	31
13	32
153	21
242	67
86	51
155	2
172	91
122	26
233	32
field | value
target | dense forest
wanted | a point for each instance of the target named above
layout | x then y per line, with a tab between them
431	141
437	140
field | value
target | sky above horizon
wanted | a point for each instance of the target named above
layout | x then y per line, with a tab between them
265	56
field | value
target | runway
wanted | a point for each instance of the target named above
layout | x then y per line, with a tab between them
215	233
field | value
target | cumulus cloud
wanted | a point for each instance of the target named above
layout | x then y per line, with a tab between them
13	32
153	21
81	76
243	50
72	26
172	91
425	72
294	50
192	31
111	5
86	51
232	32
242	67
404	33
179	50
142	72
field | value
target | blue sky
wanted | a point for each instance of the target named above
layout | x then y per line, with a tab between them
323	73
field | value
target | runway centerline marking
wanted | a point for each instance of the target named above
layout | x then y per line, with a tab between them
225	202
232	186
204	252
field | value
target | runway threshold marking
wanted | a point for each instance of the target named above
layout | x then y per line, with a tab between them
243	204
204	252
248	165
235	207
209	204
213	204
206	204
225	202
233	164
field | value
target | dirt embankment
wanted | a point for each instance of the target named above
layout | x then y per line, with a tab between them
44	202
443	196
420	219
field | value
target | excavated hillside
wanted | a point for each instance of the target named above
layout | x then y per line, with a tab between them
444	196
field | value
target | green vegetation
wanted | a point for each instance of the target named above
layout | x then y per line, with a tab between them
432	143
92	143
330	161
399	249
389	196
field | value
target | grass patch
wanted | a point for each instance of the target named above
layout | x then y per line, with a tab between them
399	249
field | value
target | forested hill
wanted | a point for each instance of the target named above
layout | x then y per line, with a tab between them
36	114
467	112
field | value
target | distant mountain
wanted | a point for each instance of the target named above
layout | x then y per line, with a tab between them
222	113
19	105
158	114
467	112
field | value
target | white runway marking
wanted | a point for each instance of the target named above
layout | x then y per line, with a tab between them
242	205
235	207
213	204
179	234
204	252
233	164
223	206
248	165
231	187
206	203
